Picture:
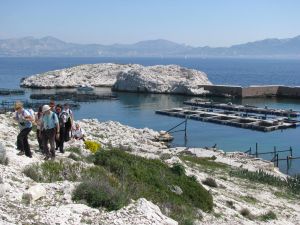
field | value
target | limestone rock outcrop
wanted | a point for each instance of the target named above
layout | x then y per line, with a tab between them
124	77
162	79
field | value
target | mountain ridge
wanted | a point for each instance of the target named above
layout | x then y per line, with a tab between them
49	46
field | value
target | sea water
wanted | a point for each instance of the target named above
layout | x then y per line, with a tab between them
138	110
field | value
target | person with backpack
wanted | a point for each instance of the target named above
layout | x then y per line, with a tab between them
24	119
38	121
50	130
62	118
69	123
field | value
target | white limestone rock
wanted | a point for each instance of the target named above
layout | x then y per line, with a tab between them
4	187
124	77
103	74
34	193
139	212
3	158
171	79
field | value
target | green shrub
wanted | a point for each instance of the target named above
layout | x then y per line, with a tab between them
51	171
100	193
210	182
93	146
74	157
267	216
151	179
34	172
249	199
178	169
76	150
246	213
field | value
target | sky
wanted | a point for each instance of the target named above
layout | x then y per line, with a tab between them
212	23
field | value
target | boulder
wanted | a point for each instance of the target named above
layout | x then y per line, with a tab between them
176	189
34	193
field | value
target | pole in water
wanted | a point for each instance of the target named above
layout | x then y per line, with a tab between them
256	149
287	164
185	125
291	151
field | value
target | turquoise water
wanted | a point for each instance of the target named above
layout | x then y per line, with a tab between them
138	110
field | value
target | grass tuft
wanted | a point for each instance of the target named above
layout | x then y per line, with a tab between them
291	184
267	216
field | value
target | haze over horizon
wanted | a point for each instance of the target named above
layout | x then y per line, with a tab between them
215	23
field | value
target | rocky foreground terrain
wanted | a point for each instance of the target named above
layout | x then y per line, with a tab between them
124	77
22	201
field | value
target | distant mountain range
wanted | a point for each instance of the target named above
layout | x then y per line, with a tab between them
53	47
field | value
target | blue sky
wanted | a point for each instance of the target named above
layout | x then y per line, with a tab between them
193	22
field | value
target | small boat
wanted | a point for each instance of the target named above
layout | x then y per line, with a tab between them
85	87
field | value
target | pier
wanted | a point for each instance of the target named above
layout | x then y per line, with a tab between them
231	118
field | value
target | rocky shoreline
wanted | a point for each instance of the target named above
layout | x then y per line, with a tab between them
57	207
170	79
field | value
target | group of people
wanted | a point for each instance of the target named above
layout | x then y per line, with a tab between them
54	126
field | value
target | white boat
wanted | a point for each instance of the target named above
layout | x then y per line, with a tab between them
85	87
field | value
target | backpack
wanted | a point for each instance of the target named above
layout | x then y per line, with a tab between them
60	119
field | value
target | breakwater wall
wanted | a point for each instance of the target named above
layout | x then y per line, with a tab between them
253	91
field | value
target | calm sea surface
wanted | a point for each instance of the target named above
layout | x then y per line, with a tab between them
138	110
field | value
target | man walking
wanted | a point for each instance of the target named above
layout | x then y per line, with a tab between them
24	119
50	127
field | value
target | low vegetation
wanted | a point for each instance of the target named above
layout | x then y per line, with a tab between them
207	162
210	182
75	150
152	179
117	176
291	184
267	216
93	146
52	171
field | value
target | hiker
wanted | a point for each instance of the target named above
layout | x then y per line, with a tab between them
24	119
62	118
38	120
69	123
78	133
50	131
52	105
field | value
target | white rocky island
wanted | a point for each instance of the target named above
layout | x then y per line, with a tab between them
171	79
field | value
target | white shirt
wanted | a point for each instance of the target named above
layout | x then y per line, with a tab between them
79	133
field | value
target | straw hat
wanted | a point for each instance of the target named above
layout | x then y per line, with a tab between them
45	108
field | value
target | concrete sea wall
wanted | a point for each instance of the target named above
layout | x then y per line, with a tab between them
253	91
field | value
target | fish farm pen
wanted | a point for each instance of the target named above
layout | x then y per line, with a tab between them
247	117
8	106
